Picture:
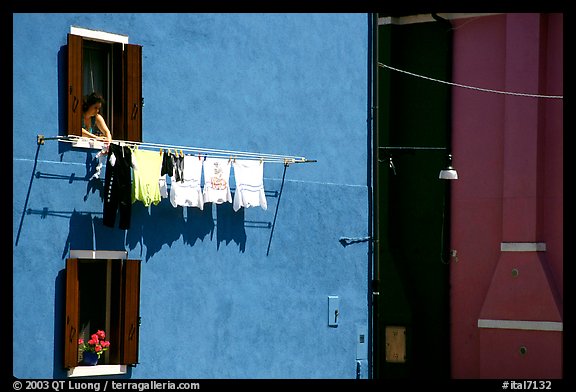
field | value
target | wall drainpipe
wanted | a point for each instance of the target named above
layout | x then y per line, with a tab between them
375	229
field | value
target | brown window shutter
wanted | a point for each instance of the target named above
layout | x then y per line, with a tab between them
119	119
133	83
131	312
72	316
75	97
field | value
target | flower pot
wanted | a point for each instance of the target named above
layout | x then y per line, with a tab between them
89	358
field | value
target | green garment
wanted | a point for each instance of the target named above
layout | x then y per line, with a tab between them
145	186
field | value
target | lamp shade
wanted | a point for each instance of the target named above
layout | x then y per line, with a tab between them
448	174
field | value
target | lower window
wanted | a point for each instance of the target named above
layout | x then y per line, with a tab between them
102	294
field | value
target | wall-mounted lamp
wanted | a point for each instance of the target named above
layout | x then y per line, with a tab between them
449	173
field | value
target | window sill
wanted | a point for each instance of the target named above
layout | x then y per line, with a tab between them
86	142
98	370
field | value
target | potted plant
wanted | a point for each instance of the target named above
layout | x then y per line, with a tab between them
93	348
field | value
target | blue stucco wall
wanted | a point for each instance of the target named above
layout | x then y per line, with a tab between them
213	303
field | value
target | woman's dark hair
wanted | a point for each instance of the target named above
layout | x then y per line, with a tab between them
91	99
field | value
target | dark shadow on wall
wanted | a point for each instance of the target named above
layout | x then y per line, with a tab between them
138	220
152	228
86	232
27	196
199	223
80	233
163	224
230	226
95	184
107	238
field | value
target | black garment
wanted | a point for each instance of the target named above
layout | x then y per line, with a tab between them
178	163
167	165
118	187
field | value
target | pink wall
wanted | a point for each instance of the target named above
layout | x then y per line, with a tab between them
508	153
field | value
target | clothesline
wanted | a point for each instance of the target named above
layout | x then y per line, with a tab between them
79	141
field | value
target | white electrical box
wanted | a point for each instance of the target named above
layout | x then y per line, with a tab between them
333	310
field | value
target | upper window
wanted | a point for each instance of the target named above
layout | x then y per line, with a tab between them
107	65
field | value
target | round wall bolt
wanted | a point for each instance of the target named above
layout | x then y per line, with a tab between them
515	272
523	350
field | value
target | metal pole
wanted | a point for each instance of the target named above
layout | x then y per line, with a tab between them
276	213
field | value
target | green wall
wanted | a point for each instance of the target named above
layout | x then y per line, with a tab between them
410	221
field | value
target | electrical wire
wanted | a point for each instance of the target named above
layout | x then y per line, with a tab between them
471	87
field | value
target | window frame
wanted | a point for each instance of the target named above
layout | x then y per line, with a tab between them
127	314
126	75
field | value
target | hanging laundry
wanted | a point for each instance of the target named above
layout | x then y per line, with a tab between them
249	176
101	157
216	181
145	184
188	193
167	169
178	166
117	186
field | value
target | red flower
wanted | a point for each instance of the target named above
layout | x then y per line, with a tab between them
96	344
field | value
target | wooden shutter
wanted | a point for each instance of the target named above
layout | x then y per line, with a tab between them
133	90
74	87
118	127
131	312
72	314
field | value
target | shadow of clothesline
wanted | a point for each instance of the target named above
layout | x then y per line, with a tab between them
45	212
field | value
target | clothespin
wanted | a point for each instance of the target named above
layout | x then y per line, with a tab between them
182	153
261	160
160	151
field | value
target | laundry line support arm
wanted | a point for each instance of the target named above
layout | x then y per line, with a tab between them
206	152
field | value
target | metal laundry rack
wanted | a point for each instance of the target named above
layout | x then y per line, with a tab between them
85	142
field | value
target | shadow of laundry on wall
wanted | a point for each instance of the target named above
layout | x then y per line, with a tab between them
198	224
86	232
162	224
230	226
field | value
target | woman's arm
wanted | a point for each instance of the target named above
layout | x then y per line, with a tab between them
103	127
85	133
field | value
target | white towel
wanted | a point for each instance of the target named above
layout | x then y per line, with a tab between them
217	181
249	176
188	193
